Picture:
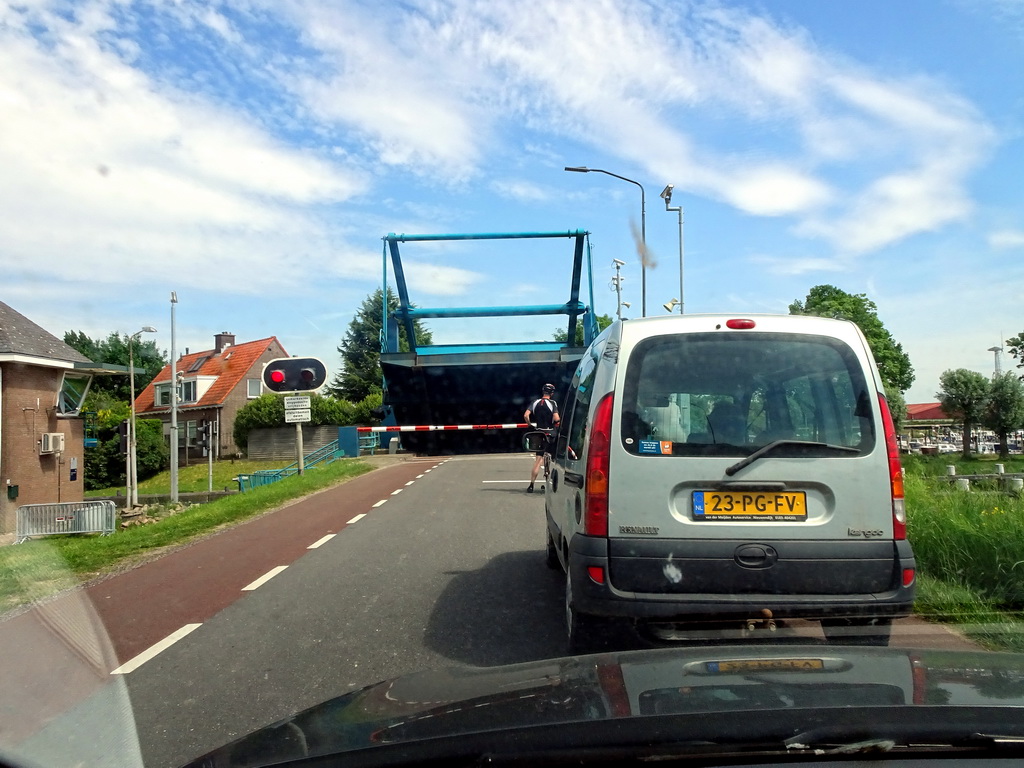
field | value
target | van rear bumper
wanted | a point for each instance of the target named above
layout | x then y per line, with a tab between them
606	599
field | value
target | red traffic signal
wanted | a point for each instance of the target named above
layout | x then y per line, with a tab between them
294	374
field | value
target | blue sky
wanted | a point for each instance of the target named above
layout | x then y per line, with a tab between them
250	156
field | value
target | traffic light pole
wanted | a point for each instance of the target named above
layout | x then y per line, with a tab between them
209	456
298	448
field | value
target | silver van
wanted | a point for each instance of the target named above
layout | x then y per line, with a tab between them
736	469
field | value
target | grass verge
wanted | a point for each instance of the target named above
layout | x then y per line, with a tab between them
42	567
195	478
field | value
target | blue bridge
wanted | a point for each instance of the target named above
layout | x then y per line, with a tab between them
479	383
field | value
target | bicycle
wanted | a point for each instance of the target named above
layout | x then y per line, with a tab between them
540	440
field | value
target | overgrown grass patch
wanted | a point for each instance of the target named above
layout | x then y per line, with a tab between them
36	568
973	539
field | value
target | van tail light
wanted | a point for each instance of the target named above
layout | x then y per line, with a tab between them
899	510
595	521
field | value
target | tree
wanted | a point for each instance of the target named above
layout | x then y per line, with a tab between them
964	396
897	407
1015	346
1005	411
148	361
360	349
829	301
561	334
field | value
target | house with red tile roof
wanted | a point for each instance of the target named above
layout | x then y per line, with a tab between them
214	386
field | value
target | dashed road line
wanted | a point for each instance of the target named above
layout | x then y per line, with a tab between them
321	542
380	503
264	579
395	493
356	519
409	483
154	650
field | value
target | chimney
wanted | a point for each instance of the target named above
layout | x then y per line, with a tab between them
222	341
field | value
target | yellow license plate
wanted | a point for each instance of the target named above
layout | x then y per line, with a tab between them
765	665
749	505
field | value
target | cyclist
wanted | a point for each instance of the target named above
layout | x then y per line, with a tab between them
543	412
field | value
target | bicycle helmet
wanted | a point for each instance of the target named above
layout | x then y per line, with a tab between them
548	389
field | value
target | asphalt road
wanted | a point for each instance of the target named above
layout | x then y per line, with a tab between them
424	564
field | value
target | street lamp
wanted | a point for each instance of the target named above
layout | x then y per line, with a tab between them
133	467
666	195
643	228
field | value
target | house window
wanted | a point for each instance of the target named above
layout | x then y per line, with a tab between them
162	394
73	389
190	434
188	391
254	388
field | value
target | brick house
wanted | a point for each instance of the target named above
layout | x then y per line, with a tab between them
215	385
43	383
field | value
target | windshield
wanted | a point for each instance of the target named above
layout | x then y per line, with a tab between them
285	285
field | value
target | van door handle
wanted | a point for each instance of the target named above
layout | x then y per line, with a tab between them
571	478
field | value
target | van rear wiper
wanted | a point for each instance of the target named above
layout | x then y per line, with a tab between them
766	449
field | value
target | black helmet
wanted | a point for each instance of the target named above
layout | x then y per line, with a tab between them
548	389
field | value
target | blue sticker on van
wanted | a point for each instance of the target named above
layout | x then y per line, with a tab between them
650	446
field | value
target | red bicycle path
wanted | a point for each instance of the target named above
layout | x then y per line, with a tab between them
62	650
190	585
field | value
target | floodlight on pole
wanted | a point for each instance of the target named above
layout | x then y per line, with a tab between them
666	195
643	227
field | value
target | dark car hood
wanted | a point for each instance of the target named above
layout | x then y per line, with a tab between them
602	694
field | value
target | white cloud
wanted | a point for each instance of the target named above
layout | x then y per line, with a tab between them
797	265
139	178
520	190
1006	238
438	279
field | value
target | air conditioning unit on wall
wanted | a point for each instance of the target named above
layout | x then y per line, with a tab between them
51	442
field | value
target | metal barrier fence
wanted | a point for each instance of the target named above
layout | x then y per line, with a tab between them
63	518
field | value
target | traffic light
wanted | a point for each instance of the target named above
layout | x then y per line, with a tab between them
294	374
203	434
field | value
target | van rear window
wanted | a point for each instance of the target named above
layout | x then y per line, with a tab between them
730	394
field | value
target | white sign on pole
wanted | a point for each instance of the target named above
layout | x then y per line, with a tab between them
296	403
294	417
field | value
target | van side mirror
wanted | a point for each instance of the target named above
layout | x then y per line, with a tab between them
534	441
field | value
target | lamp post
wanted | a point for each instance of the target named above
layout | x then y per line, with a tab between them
174	404
666	195
133	465
643	228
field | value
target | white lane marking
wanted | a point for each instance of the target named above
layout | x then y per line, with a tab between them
321	542
419	476
356	519
501	481
409	483
153	650
380	503
395	493
264	579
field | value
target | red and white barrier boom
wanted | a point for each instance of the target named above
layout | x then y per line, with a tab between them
441	428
